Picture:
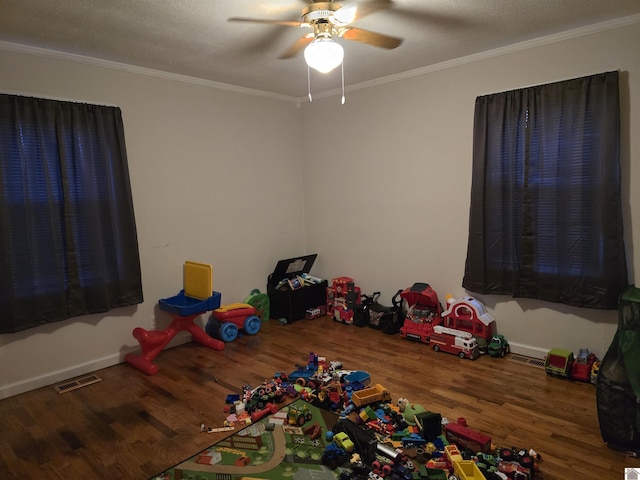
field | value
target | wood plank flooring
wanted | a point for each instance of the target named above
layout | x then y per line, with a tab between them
133	426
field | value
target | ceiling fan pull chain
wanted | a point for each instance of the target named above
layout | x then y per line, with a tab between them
343	99
309	83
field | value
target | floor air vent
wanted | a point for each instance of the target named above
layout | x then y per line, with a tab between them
77	383
524	360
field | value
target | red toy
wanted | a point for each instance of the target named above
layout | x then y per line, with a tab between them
269	408
454	341
465	437
342	297
184	310
154	341
423	312
195	299
225	322
470	315
582	366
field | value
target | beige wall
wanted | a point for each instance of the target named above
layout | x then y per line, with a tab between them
388	203
213	175
378	187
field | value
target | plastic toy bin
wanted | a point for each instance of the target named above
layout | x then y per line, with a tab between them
184	306
293	304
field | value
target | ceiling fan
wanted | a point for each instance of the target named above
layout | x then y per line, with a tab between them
330	20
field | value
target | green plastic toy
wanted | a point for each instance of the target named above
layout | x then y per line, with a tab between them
260	301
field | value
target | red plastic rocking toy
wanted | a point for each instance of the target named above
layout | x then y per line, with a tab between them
196	298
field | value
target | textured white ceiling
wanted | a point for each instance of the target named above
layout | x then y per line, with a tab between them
193	37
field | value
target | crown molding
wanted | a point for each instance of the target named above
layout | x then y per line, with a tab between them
96	62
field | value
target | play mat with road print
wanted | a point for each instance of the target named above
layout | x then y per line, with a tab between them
267	449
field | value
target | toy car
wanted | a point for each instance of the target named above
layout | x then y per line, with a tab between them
333	456
423	308
225	322
343	441
315	312
559	362
498	346
583	365
298	416
460	345
516	462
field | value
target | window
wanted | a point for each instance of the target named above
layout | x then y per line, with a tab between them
69	244
545	218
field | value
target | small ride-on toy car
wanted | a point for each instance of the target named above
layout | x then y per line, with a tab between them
226	321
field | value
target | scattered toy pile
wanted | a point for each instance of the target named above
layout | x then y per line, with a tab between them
374	438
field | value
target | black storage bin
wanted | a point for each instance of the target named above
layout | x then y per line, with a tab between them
293	304
618	382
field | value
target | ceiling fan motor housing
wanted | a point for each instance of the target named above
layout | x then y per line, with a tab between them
319	11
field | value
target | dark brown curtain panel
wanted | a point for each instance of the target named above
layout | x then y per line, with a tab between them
546	218
68	242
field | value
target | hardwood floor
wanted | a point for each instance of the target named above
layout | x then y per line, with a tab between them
133	426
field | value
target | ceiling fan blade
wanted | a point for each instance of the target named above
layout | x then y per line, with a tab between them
345	15
367	8
297	47
371	38
355	10
286	23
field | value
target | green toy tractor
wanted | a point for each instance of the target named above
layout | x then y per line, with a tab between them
498	346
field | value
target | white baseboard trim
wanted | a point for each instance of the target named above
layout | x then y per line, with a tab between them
58	376
65	374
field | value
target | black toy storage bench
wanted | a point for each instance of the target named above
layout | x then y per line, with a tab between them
289	303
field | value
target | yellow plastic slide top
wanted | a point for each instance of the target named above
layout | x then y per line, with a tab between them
198	280
232	306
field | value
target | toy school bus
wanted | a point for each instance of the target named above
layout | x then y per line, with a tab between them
559	362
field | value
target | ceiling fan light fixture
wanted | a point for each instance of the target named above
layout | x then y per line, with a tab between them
324	54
